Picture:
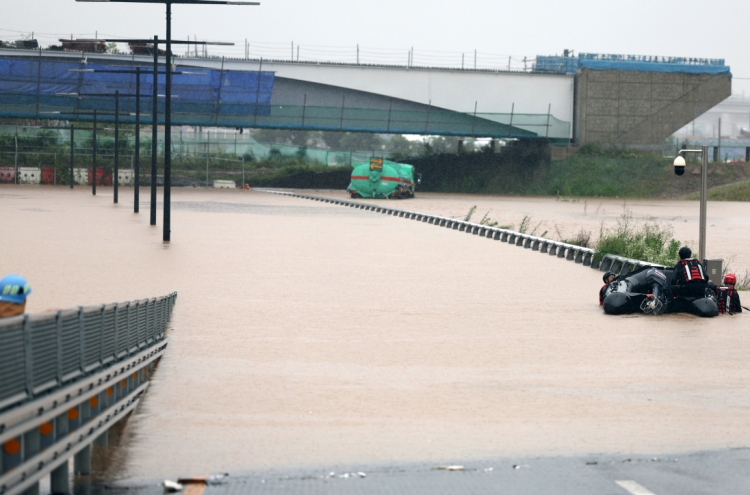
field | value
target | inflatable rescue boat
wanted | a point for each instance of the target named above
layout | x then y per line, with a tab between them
648	291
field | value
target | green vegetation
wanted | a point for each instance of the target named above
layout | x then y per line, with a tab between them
526	168
648	241
651	242
732	192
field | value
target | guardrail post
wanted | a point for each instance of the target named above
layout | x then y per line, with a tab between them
527	243
571	253
11	455
497	235
561	251
27	356
535	246
130	330
545	247
31	447
82	462
552	249
579	256
85	412
117	331
58	335
59	480
73	416
587	259
81	338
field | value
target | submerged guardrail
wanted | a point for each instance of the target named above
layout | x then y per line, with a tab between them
67	376
578	254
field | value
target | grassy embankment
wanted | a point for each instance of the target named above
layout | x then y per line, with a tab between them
526	169
731	192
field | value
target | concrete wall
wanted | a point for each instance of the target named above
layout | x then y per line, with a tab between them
641	109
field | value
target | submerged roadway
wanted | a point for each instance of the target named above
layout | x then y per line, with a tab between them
312	339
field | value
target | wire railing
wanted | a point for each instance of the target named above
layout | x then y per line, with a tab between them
470	59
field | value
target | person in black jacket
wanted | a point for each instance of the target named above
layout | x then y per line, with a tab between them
729	299
607	278
689	279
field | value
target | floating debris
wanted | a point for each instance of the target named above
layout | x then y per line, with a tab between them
453	467
171	486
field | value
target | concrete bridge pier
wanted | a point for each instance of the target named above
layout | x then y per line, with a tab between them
82	462
60	480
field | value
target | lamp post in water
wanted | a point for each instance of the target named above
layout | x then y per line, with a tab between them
168	104
155	109
679	169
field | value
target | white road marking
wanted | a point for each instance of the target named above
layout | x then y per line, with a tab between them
634	488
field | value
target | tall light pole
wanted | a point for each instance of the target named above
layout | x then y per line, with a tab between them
155	108
154	119
168	104
679	169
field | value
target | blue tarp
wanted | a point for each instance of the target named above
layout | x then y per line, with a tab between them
200	98
652	66
568	65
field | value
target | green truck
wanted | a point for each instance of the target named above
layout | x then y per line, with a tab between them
382	179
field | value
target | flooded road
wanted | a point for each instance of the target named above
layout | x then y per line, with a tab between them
308	334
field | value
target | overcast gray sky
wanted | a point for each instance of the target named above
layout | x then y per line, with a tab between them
688	28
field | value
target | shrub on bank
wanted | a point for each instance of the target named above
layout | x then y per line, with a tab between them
651	242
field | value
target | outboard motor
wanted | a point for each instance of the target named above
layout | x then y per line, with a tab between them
660	296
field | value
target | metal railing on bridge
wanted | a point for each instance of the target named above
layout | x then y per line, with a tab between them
75	370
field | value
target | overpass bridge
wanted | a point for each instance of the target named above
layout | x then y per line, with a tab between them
610	99
67	377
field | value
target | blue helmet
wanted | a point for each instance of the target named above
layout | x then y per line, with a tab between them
14	289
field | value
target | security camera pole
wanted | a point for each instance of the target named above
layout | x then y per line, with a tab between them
168	103
679	169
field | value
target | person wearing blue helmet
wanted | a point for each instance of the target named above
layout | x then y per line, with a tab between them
13	292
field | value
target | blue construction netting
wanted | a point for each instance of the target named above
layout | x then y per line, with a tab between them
593	61
47	89
44	87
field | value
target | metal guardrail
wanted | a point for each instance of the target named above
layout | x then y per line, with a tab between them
67	376
578	254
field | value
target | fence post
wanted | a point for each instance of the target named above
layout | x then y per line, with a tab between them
72	154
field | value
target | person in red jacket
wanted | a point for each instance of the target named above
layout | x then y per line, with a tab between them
607	278
729	299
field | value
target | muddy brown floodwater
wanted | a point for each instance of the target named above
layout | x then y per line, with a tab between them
311	334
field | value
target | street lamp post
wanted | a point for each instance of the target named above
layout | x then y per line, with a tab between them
155	108
166	237
137	72
679	169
